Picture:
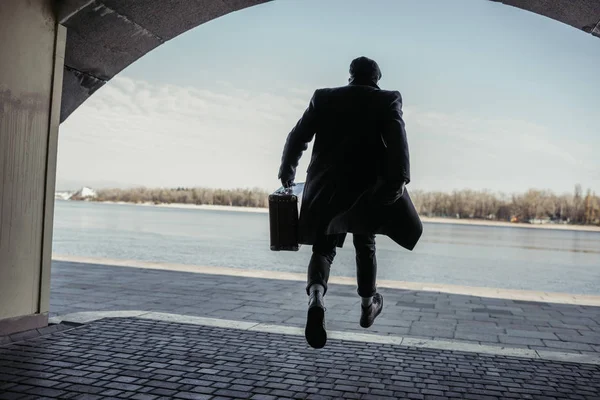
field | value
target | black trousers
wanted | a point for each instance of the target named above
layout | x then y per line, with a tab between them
324	251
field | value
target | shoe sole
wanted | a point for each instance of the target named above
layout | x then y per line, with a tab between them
367	324
315	333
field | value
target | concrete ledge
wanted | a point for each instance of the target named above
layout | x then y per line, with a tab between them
35	333
510	294
87	317
14	325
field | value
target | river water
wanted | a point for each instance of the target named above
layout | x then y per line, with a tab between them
497	257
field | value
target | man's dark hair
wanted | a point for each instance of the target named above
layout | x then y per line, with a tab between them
364	69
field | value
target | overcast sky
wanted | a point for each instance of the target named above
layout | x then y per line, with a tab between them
494	97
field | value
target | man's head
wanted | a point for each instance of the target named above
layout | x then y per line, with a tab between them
363	69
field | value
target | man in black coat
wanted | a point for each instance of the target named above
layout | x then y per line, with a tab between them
355	183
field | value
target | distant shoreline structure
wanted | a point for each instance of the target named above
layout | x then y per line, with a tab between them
433	220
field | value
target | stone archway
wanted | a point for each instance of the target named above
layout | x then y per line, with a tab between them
105	36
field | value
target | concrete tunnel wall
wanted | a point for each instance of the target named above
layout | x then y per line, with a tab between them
30	87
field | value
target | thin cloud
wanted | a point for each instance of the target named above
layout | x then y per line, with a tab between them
133	131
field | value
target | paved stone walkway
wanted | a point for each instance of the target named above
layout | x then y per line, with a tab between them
539	326
145	359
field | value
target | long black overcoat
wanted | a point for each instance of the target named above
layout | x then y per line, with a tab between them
360	151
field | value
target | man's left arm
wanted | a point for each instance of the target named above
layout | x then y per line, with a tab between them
397	158
297	142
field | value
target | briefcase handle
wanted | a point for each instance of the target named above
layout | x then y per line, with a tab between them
294	189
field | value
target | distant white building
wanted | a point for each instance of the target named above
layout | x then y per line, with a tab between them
85	193
63	195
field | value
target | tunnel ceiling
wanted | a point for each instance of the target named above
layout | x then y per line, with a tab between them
105	36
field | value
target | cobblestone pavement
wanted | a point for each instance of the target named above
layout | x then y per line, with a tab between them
539	326
145	359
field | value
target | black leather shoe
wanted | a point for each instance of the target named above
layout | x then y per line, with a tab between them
368	314
315	333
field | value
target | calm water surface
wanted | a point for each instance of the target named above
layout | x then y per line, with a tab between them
499	257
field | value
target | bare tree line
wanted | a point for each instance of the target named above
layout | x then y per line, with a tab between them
537	206
531	206
199	196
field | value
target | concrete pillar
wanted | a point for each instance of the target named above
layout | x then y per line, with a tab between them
31	66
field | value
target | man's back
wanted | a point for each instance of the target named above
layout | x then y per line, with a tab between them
351	122
360	161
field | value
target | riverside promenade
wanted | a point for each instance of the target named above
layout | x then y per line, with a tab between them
148	331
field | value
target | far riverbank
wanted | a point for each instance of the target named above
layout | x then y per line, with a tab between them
434	220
